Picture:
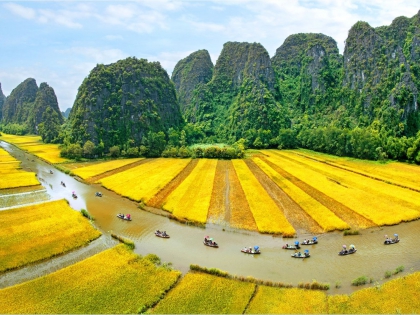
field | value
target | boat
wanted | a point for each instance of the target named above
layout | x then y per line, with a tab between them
250	250
300	255
98	194
210	242
161	234
313	241
296	246
124	217
347	252
390	241
73	194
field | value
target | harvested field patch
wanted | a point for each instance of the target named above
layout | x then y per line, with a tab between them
115	281
146	180
199	293
40	231
268	217
191	199
299	219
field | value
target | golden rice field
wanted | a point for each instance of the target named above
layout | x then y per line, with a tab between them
268	217
11	176
145	181
115	281
396	296
321	214
395	172
36	232
34	145
200	293
100	168
191	199
382	203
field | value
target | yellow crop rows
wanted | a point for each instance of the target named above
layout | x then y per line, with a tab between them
144	181
11	175
115	281
395	172
191	199
268	217
40	231
199	293
96	169
269	300
382	203
35	146
321	214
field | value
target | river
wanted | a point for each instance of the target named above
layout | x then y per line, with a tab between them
185	246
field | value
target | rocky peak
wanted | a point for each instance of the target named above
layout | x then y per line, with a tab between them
2	99
190	72
19	103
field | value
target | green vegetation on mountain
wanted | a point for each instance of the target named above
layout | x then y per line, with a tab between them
128	103
2	100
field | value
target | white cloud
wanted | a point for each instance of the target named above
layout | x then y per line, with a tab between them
114	37
96	55
26	13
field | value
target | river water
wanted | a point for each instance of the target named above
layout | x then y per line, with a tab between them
185	246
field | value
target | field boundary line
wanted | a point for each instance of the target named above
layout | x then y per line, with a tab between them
359	173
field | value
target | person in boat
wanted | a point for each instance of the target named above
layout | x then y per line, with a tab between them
128	216
299	254
352	248
287	245
396	239
157	231
164	233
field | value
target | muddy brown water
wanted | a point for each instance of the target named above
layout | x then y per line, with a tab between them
185	246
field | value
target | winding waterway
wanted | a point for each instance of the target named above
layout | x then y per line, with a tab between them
186	247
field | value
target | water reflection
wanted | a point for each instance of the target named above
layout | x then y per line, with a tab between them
186	247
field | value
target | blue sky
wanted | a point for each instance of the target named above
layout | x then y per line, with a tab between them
59	42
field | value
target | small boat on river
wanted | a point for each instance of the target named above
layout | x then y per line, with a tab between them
296	246
300	255
390	241
313	241
98	194
161	234
250	250
208	241
73	194
124	217
344	251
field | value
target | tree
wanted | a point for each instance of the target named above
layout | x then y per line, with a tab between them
114	151
89	149
155	143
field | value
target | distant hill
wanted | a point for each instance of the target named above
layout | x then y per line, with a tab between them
66	113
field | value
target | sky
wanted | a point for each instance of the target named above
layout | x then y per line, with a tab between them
60	42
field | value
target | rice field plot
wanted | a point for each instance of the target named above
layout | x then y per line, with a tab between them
191	199
199	293
35	146
398	173
377	201
301	221
96	169
146	180
268	216
398	296
11	174
270	300
321	214
115	281
228	205
35	232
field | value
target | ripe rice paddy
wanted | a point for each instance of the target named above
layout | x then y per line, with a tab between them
36	232
199	293
143	182
100	168
268	217
191	199
34	145
11	176
115	281
377	201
